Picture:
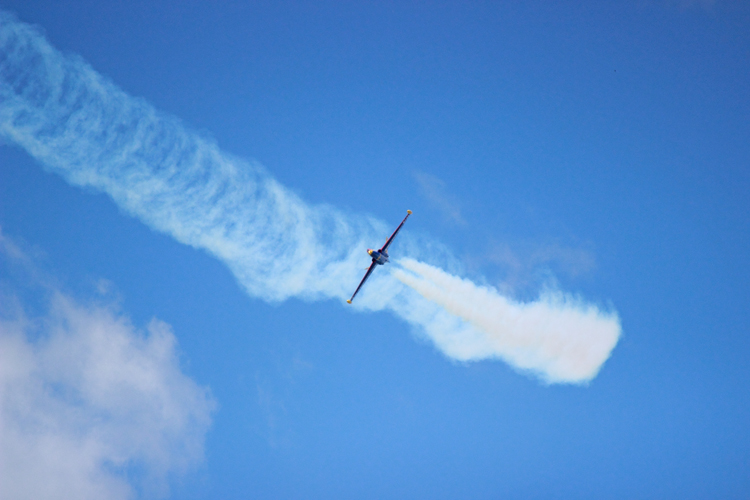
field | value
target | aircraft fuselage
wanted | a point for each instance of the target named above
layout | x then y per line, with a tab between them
378	257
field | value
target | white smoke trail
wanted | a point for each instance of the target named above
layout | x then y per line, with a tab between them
556	336
84	128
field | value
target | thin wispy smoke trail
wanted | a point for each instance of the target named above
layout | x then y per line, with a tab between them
84	128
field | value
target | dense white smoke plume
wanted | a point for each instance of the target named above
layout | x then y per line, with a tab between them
91	407
557	335
81	126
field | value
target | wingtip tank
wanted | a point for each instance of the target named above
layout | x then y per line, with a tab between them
408	212
349	301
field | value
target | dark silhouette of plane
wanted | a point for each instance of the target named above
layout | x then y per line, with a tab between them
379	257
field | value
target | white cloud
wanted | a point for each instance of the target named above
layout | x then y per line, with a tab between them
433	189
90	406
525	266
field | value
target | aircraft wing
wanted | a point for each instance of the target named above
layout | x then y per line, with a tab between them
367	275
390	240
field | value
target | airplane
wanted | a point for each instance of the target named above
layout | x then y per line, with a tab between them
379	257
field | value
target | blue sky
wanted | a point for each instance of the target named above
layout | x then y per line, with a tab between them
597	151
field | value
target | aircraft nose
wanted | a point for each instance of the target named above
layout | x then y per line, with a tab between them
369	251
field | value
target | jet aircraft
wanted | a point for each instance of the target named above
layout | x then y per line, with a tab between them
379	257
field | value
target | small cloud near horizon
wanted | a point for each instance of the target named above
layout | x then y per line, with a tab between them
434	191
527	266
